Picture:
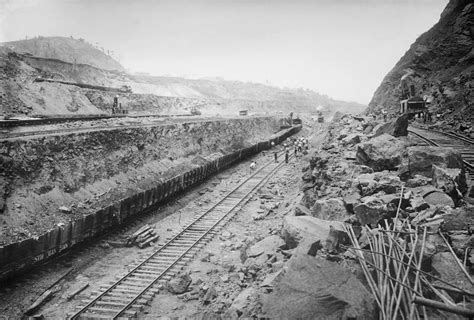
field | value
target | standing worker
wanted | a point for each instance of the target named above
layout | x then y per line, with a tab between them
287	154
275	153
253	166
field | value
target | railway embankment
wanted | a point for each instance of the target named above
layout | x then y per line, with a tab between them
374	201
50	181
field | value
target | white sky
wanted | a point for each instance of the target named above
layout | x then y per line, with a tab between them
342	48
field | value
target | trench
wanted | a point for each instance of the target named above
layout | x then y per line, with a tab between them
18	257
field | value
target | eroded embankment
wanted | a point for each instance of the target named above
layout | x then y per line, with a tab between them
56	184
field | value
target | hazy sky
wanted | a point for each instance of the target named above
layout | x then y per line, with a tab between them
342	48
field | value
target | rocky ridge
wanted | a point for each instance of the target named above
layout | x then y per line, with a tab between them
441	62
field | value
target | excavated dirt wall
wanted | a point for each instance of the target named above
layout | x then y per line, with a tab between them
234	139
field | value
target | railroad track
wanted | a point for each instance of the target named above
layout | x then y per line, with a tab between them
129	295
441	139
7	134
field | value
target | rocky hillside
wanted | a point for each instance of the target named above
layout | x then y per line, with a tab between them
442	64
76	61
76	51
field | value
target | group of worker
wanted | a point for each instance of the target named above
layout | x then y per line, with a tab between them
300	145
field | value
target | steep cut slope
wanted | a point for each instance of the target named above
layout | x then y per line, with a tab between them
66	49
442	65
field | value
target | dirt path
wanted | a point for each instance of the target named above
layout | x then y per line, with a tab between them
99	264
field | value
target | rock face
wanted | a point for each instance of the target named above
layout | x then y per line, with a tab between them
396	128
440	61
314	288
381	153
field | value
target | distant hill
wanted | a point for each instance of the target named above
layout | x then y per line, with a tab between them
65	49
254	94
442	64
76	61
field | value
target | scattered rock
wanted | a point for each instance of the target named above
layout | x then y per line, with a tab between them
179	284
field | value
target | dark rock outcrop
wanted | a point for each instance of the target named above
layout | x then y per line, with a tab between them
440	62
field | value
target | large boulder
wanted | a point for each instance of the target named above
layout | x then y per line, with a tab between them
396	128
315	288
445	266
451	181
384	152
351	139
302	231
370	211
438	199
179	284
268	246
329	209
370	183
431	196
243	300
420	161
